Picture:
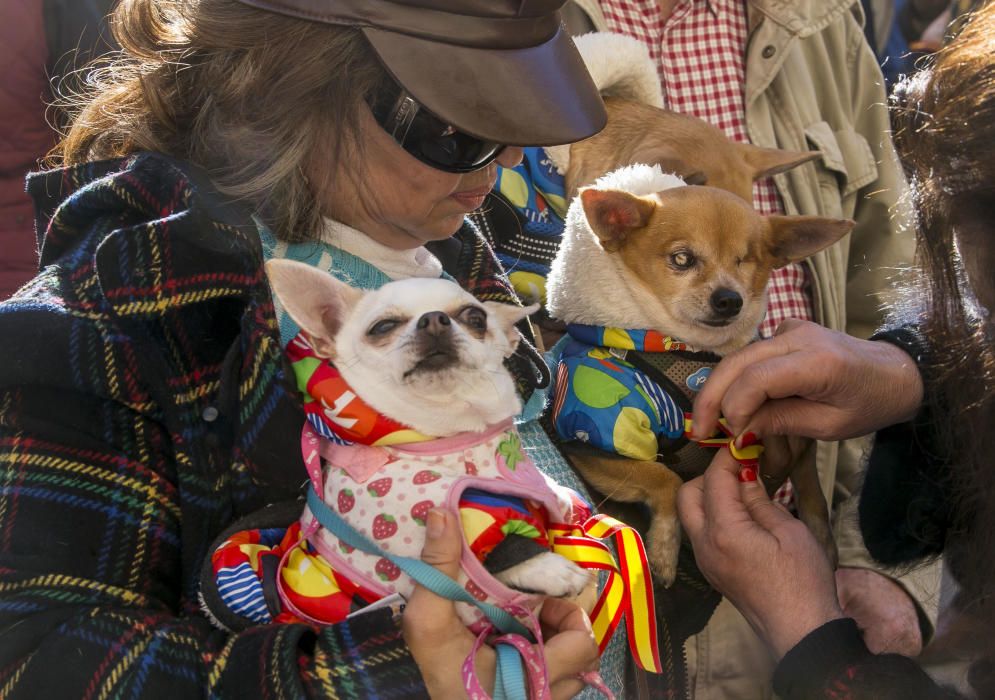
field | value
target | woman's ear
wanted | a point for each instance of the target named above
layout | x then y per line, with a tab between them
318	302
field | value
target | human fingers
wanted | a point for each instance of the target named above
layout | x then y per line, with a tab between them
570	644
843	388
708	403
566	688
435	635
790	324
560	615
441	550
690	506
570	647
722	499
762	510
884	611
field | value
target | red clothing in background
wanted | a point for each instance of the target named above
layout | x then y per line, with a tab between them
24	135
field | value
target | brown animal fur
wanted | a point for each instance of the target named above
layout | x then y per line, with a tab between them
691	148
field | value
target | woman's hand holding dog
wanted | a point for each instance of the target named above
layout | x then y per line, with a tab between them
759	556
810	381
439	641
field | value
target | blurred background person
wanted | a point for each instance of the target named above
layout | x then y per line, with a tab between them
41	43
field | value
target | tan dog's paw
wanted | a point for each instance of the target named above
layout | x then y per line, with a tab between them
548	574
662	544
818	525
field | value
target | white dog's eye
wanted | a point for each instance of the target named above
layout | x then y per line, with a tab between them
474	317
384	326
682	260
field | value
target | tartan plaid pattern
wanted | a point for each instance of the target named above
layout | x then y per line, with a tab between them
700	52
145	404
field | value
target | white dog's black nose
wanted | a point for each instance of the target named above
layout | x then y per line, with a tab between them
725	302
434	322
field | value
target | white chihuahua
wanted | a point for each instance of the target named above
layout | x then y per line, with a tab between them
430	356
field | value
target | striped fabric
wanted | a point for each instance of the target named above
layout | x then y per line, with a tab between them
144	405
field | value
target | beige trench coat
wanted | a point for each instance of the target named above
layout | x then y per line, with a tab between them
812	83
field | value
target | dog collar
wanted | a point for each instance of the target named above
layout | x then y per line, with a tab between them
623	339
334	410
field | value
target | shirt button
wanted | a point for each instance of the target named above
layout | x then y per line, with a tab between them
210	414
768	51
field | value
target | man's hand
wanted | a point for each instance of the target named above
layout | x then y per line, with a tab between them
439	642
882	609
755	553
810	381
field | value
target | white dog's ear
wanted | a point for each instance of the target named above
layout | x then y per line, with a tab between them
506	316
614	214
318	302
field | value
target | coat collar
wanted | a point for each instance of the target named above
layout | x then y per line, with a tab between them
168	240
800	17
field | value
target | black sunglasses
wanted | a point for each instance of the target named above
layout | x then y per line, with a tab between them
428	138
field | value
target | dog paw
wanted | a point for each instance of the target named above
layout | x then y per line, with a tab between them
548	574
663	541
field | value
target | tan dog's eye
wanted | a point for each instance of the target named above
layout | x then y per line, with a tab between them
383	327
682	260
474	317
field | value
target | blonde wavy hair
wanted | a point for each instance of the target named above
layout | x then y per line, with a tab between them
251	96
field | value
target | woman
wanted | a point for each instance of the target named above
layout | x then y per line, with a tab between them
929	482
145	402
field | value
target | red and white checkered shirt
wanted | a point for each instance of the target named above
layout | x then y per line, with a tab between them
700	53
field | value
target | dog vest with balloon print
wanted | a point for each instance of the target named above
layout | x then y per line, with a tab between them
630	392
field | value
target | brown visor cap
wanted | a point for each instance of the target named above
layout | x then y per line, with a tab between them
502	70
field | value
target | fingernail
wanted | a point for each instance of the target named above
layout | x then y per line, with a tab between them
747	474
746	439
435	522
695	432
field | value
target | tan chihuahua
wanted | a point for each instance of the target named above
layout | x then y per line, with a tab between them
691	148
682	270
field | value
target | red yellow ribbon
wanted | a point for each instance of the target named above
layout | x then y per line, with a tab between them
748	455
628	591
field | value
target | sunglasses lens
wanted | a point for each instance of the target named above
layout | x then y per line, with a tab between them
435	143
445	148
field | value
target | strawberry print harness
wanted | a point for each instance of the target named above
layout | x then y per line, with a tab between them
377	479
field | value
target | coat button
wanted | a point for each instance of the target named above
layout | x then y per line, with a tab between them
768	51
210	414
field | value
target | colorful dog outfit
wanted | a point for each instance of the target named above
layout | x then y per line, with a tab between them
630	392
382	479
534	194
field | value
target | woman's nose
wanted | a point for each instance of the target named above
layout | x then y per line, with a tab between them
510	156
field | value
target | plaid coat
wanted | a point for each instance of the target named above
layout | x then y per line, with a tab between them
145	404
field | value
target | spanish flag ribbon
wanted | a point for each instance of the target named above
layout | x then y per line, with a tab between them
748	455
628	591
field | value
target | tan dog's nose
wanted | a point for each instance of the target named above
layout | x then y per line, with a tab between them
434	323
725	302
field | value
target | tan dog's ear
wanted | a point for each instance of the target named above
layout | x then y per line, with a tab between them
317	301
505	317
771	161
794	238
614	214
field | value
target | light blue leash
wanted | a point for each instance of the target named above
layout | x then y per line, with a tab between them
509	682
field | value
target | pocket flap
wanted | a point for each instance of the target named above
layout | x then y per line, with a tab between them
846	153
